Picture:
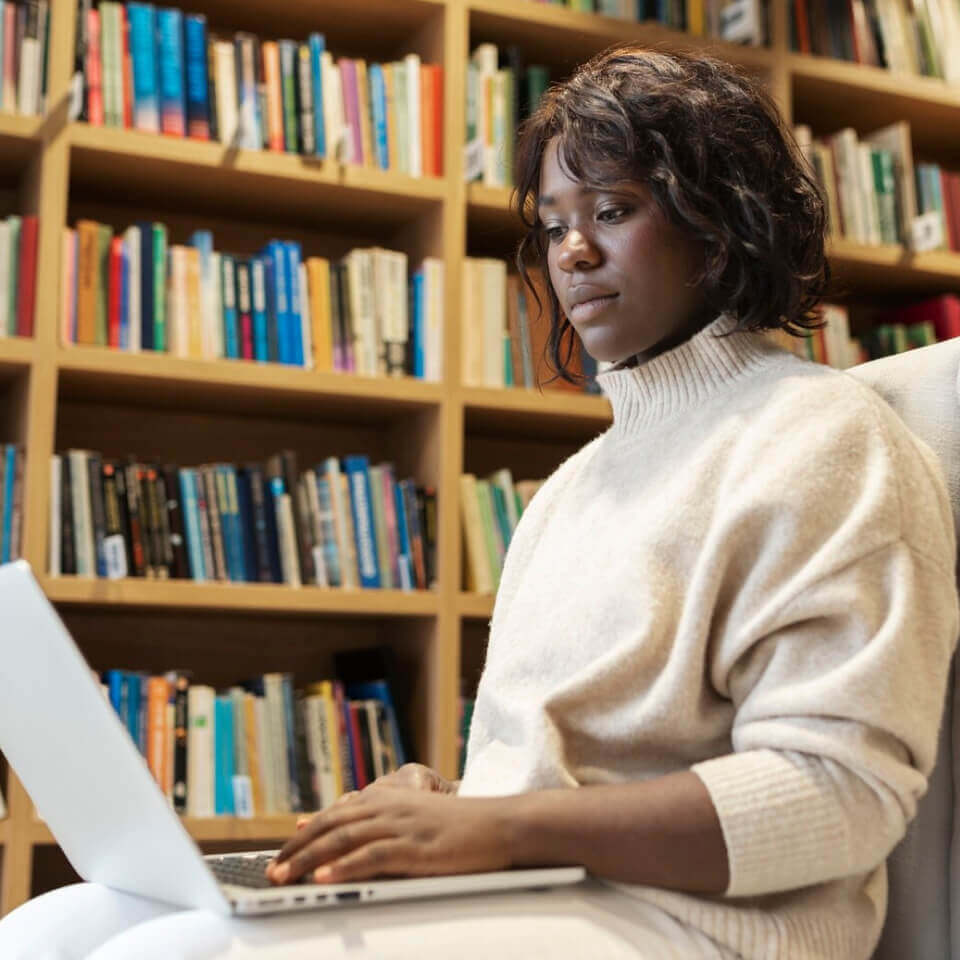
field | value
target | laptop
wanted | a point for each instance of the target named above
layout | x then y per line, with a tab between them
90	783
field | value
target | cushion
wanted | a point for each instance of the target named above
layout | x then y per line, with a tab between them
923	386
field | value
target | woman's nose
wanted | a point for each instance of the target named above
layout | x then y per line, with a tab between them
577	252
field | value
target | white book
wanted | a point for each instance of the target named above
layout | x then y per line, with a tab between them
326	775
847	163
277	730
433	282
306	318
178	318
868	195
341	508
496	173
85	549
241	763
361	288
412	64
286	536
741	22
56	480
228	117
27	80
494	320
131	241
200	751
484	61
214	319
4	276
309	482
333	116
265	750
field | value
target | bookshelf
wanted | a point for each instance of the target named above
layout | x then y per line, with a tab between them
52	397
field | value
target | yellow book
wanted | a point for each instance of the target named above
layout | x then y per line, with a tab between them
333	728
388	82
194	305
477	567
253	752
318	279
695	17
88	273
366	119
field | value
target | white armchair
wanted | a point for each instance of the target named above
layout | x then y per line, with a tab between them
923	386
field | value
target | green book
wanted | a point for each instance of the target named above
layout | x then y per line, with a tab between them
899	338
288	86
104	236
485	500
13	279
159	287
508	376
500	514
538	79
884	184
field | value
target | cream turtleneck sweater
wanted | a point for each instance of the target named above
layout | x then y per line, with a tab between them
750	575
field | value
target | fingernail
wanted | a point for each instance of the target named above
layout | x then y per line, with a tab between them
322	874
302	822
280	873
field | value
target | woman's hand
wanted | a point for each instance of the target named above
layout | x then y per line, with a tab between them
386	831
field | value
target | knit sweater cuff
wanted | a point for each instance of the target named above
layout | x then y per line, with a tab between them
781	825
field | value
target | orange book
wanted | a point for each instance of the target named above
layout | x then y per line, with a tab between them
158	692
253	751
539	326
318	280
427	130
88	278
436	116
271	76
194	305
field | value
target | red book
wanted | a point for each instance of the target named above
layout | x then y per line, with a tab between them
94	70
803	25
359	763
943	312
949	212
115	275
27	279
437	117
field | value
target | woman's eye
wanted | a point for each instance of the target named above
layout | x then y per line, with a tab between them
613	213
554	234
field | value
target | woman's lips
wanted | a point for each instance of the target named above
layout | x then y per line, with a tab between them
592	308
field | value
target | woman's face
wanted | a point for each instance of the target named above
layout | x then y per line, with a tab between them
620	270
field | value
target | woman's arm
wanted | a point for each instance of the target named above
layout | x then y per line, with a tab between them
664	832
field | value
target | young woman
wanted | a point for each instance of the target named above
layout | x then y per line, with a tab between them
727	621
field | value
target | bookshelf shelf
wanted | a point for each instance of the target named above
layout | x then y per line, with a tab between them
238	597
556	35
552	414
893	269
100	373
476	606
16	352
244	182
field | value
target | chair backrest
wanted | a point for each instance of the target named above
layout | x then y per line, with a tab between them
923	917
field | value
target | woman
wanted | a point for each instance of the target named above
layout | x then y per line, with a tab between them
728	620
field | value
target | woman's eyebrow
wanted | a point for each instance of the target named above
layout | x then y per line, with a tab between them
548	199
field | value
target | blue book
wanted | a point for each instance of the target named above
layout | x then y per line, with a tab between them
146	285
404	555
130	705
143	50
273	321
418	321
318	44
331	557
114	682
223	756
198	98
251	565
258	303
125	298
378	104
294	255
9	477
237	549
281	302
292	765
271	490
380	690
357	470
228	303
191	523
173	110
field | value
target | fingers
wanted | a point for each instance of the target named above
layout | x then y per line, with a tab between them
339	842
386	857
334	816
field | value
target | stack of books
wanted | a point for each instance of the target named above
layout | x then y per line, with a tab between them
505	332
160	70
340	524
362	314
18	275
259	748
490	509
918	38
11	500
24	55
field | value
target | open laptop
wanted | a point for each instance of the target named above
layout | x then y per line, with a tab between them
95	791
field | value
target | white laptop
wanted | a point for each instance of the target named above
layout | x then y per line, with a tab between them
92	786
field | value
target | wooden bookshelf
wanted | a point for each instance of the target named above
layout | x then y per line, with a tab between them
57	395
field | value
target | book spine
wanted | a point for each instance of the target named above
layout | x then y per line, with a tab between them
146	102
258	289
27	277
305	100
231	340
358	474
194	539
317	47
244	311
171	70
197	94
288	87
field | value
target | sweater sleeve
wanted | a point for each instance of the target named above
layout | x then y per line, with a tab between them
836	726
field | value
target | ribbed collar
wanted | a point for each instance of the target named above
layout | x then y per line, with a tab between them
683	377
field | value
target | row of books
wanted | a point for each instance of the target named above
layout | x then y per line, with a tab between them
918	37
24	50
160	70
341	524
490	509
11	500
875	192
263	747
363	314
893	331
737	21
505	332
18	275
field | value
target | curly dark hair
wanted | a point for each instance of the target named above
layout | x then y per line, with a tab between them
709	143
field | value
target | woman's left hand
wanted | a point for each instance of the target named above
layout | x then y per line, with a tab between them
386	831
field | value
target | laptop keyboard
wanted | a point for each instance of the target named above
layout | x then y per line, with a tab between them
243	871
